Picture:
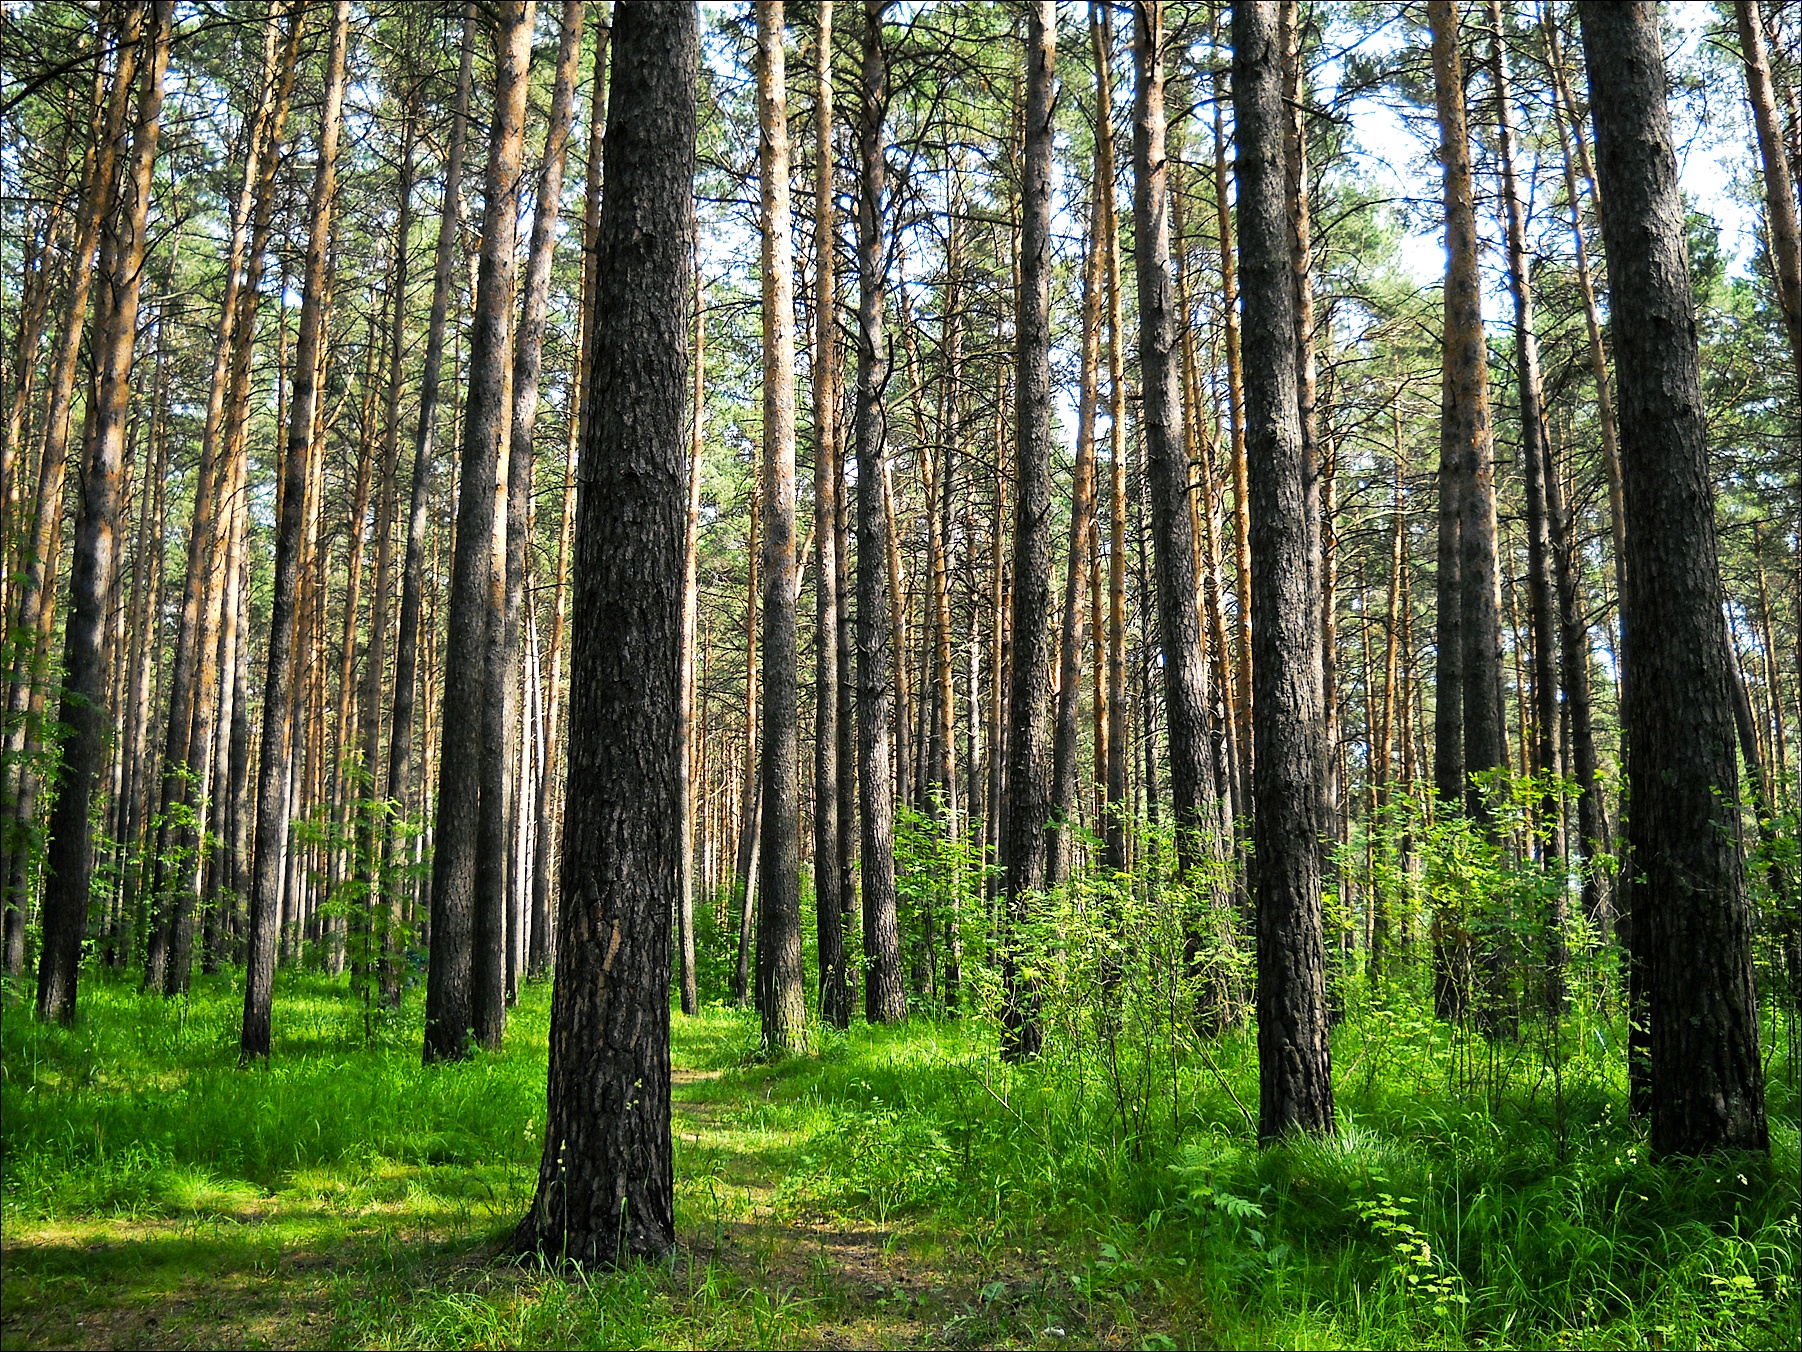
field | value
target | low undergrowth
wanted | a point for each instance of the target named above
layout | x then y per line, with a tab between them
895	1187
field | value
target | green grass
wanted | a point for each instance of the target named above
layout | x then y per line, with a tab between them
899	1187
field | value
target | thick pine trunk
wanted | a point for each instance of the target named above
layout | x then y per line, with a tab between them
407	627
885	1001
36	612
1187	699
782	998
835	994
1294	1060
1118	752
1027	806
68	851
466	978
605	1185
1691	918
1536	459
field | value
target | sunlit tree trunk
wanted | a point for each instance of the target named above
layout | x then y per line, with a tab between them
413	563
1294	1060
605	1184
885	1000
1692	923
68	850
781	994
465	981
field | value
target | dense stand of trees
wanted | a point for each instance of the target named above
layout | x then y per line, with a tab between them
740	595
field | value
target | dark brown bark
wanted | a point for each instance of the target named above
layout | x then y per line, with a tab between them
466	978
835	994
1118	752
273	770
605	1185
35	616
1689	887
504	786
1186	695
68	850
1466	445
885	1000
1536	461
781	995
407	628
1027	804
1065	746
1294	1060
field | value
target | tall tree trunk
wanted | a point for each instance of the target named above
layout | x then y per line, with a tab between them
1027	805
273	770
544	928
782	998
1118	752
1294	1060
686	738
750	819
1785	241
68	851
835	994
36	608
407	628
502	753
1466	435
1065	747
605	1184
377	899
885	1000
1235	407
1187	699
1536	459
1691	919
465	982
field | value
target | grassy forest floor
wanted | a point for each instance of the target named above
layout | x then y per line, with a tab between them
900	1188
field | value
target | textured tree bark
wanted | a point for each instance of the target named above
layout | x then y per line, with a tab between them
542	953
1065	745
500	886
1465	433
885	1001
1199	825
1235	406
605	1184
36	608
1689	889
782	998
835	996
187	744
407	628
1535	455
1118	751
465	981
1294	1060
68	849
1779	183
1027	805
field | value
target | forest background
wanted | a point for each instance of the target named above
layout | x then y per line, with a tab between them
1008	1118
